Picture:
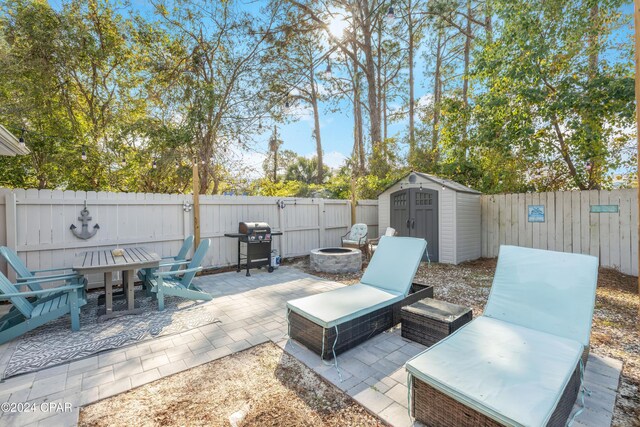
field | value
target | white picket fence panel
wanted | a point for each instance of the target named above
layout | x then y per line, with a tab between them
36	223
569	225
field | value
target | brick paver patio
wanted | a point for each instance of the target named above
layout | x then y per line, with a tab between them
251	311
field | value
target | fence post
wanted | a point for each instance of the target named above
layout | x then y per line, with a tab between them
196	204
186	219
354	201
11	226
636	38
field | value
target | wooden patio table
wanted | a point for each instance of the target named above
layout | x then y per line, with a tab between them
105	262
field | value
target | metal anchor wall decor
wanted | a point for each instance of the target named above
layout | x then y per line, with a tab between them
84	218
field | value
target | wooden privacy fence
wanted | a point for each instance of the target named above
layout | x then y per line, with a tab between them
36	223
600	223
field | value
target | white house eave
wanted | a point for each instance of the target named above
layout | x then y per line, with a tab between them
10	145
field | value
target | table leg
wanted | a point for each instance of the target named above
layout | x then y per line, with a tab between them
108	291
127	276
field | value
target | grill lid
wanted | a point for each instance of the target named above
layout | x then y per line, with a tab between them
255	227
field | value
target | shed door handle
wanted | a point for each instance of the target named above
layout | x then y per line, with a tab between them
408	223
413	223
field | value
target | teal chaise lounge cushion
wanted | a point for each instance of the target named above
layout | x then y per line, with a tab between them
387	280
332	308
549	291
512	374
514	362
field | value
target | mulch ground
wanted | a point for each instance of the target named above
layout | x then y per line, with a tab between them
616	321
266	384
275	389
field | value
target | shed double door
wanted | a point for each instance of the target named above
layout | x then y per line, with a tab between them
414	213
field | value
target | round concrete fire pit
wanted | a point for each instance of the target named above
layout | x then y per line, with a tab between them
336	260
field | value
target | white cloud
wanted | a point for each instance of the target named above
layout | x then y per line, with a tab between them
250	160
424	101
333	159
301	112
254	162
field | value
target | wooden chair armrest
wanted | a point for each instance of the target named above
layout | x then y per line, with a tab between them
171	264
67	288
52	278
46	279
44	270
173	273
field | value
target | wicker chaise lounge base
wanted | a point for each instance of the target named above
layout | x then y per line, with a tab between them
436	409
332	322
521	362
352	332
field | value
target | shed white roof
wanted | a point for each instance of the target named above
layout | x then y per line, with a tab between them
10	145
447	183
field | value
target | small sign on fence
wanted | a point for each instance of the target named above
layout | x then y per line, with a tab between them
604	208
536	213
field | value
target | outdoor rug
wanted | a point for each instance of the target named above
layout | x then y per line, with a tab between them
55	343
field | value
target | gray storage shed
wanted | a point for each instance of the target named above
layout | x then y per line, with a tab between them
444	212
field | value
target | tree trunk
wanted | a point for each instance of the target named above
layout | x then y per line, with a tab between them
275	153
488	25
370	74
216	184
204	170
385	121
564	152
358	137
410	48
372	98
275	166
316	128
356	146
465	77
363	164
593	40
379	67
358	141
590	121
437	95
204	179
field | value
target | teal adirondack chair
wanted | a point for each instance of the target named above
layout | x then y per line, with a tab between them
29	277
180	282
173	261
51	304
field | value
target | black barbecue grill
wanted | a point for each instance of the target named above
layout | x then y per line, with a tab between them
254	244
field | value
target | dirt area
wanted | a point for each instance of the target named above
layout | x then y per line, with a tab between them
616	321
272	387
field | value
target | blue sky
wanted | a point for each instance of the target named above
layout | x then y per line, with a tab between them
336	127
